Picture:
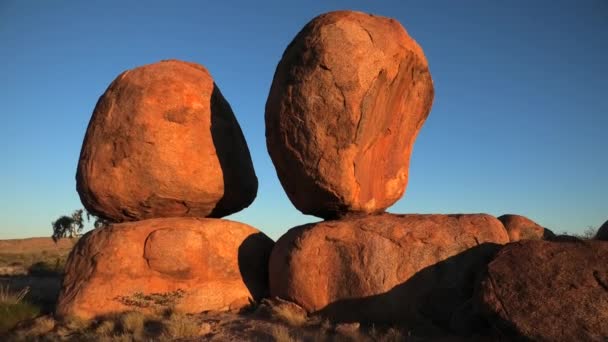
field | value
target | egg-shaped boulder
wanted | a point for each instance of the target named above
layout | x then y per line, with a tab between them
163	142
347	101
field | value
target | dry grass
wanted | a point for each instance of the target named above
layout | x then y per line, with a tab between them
290	315
13	308
280	333
9	297
181	326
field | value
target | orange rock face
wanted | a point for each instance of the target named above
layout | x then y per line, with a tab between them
195	264
521	228
385	268
164	142
348	98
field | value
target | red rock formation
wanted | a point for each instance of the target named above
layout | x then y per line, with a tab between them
384	268
548	291
164	142
208	264
348	98
522	228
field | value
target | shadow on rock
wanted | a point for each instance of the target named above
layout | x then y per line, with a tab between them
253	257
436	299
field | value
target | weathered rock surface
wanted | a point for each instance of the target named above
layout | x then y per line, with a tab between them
194	264
522	228
348	98
548	291
385	268
602	233
163	142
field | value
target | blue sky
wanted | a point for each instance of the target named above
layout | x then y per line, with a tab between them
518	124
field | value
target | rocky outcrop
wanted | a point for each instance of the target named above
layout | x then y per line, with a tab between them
187	264
348	98
385	268
548	291
164	142
602	233
522	228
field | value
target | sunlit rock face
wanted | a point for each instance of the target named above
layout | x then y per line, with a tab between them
187	264
348	98
522	228
163	142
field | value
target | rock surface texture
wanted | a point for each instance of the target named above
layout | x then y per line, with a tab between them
522	228
548	291
190	264
602	233
164	142
385	268
348	98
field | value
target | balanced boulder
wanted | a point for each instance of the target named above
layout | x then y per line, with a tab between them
547	291
522	228
185	264
385	268
348	98
163	142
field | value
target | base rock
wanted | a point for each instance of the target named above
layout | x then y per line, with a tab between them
547	291
385	268
188	264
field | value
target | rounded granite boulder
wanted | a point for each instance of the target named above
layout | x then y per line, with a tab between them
348	98
163	142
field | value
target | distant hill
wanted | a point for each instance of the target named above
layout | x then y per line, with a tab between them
36	245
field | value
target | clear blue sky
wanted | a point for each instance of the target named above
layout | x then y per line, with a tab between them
519	123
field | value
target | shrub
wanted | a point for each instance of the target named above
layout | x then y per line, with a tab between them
14	309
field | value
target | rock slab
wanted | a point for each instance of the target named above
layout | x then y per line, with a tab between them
548	291
347	101
163	142
385	268
191	264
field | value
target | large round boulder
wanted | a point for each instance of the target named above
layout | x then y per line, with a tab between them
412	269
348	98
547	291
164	142
522	228
602	233
184	264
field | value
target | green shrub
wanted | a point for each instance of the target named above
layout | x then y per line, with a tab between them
13	313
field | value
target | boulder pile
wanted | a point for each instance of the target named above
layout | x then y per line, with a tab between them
348	99
165	158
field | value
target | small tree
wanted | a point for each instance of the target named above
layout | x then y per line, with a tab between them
68	226
72	226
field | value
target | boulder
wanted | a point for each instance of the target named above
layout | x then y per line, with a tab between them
385	268
547	291
522	228
602	233
348	98
187	264
163	142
